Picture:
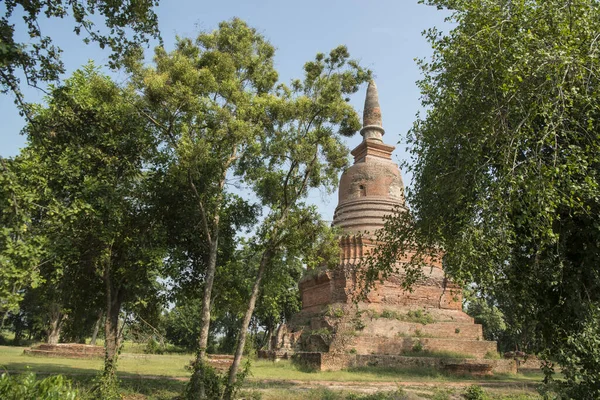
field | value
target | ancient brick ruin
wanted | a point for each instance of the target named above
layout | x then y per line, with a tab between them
333	331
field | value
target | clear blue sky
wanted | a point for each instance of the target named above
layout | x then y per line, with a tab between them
384	35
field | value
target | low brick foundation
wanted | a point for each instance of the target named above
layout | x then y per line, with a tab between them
335	362
69	350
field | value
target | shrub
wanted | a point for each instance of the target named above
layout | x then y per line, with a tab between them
492	355
153	347
420	317
334	312
442	394
389	314
475	392
27	387
417	347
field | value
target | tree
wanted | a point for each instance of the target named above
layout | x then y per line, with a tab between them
506	164
21	246
92	145
488	315
206	100
302	150
38	60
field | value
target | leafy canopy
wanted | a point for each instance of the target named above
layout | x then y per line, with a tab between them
129	24
506	164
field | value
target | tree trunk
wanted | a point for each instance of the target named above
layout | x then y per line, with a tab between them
197	389
268	338
18	333
56	319
239	350
114	299
97	328
4	318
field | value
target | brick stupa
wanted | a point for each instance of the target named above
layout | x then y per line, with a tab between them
392	326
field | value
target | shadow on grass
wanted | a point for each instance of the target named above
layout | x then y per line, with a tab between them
153	387
419	373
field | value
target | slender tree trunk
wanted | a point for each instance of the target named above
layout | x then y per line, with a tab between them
197	389
56	319
239	350
96	328
111	334
111	327
4	318
18	333
268	338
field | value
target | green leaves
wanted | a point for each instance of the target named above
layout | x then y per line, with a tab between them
21	244
506	160
130	25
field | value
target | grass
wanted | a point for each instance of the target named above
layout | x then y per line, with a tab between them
173	365
151	377
418	316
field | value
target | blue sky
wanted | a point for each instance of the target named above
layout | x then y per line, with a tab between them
384	35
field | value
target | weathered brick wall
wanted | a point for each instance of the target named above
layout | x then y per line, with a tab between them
323	361
336	362
340	286
393	328
391	346
391	361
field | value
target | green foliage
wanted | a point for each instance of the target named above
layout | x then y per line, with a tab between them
579	357
492	355
21	244
182	325
506	167
475	392
325	333
418	316
214	382
106	386
336	312
28	387
91	145
442	394
129	24
389	314
153	346
489	316
417	347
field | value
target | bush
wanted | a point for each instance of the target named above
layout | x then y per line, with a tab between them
475	392
27	387
417	347
153	347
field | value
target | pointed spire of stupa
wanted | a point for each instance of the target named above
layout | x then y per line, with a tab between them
372	127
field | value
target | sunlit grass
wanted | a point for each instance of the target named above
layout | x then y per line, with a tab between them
173	365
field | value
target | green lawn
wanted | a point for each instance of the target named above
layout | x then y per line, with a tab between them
173	365
152	376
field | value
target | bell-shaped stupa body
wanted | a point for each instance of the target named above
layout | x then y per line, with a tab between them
372	188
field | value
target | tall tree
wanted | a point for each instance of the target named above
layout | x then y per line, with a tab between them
303	150
129	24
506	166
21	244
92	145
205	100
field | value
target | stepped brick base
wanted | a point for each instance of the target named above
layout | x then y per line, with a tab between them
334	362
